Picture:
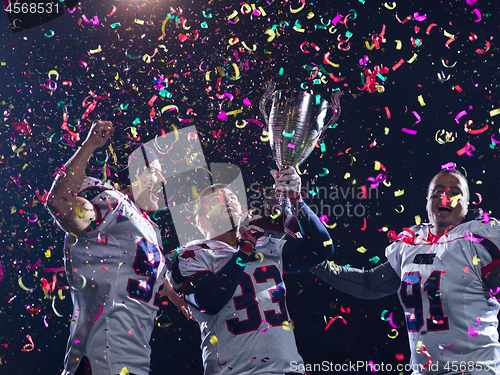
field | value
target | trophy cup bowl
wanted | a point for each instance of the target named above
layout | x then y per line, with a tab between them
296	121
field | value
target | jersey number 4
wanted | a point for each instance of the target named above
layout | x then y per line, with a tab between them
411	281
147	261
247	301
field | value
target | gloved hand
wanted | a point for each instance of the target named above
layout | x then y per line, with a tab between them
248	233
288	183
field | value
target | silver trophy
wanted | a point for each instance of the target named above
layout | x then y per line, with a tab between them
296	121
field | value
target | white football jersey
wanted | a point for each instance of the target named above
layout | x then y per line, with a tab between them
447	306
252	334
114	272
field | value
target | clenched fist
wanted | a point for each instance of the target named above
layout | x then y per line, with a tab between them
99	133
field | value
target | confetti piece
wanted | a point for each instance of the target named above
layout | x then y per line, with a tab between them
361	249
394	335
99	313
213	340
334	319
409	131
442	347
399	193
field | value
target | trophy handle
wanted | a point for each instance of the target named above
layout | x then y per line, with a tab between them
269	87
335	106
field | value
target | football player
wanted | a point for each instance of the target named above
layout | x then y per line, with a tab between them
446	274
114	262
233	281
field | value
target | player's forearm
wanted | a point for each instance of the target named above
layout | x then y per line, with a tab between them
68	182
315	246
375	283
212	291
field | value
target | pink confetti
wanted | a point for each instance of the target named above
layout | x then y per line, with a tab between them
478	14
419	18
222	116
256	122
1	272
492	294
409	131
449	166
447	347
391	322
57	269
486	219
100	313
472	238
337	19
30	267
247	102
461	114
372	366
417	117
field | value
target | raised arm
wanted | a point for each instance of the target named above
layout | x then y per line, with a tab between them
375	283
74	213
314	247
316	244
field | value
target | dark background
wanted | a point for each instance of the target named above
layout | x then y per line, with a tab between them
364	134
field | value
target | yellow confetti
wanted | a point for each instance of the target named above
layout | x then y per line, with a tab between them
479	182
48	254
60	294
418	220
347	175
54	72
261	256
475	260
271	34
92	51
169	108
213	340
362	249
287	326
387	183
398	44
413	58
20	282
393	336
386	131
330	226
326	243
399	193
454	200
494	112
299	171
277	214
448	35
400	209
140	22
124	371
421	100
54	307
377	165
